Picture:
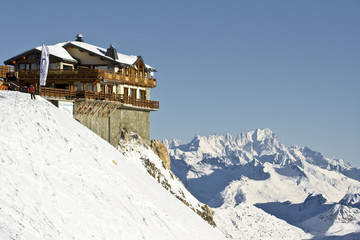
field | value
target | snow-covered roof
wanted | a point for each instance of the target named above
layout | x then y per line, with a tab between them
59	51
54	51
101	52
122	58
150	68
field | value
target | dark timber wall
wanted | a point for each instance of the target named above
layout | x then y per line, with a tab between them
109	128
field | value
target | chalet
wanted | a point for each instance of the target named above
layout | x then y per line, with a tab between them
108	90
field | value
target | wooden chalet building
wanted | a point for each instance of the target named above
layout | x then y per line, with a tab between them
108	90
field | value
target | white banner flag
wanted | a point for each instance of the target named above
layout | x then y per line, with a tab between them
44	64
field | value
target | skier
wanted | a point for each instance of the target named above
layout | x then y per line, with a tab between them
32	91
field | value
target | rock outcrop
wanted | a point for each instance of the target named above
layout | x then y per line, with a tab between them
163	174
160	149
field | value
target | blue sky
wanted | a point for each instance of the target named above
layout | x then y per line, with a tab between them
224	66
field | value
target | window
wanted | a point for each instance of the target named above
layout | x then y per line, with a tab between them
66	67
34	66
52	66
101	67
89	87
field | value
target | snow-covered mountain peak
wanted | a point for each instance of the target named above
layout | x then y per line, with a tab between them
260	135
172	143
314	201
351	199
339	220
345	214
256	168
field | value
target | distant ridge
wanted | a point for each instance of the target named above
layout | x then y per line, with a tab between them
255	169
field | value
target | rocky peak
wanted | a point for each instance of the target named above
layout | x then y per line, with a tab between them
172	143
259	135
351	199
314	200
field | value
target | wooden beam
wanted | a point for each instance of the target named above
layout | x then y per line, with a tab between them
89	109
105	109
96	106
78	109
86	105
116	105
97	110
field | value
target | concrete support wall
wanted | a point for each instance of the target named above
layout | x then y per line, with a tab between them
109	128
133	120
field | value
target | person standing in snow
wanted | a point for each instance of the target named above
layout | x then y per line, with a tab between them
32	91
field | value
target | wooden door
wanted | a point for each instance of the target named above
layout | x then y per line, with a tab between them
133	93
142	94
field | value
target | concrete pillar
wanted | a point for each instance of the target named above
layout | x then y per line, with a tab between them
148	94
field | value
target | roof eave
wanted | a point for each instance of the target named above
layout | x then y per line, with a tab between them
9	61
149	68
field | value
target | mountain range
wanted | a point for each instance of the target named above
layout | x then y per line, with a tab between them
316	195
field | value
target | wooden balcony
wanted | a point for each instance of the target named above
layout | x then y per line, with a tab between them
86	75
4	70
88	95
57	93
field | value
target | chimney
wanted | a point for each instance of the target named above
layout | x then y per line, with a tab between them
111	52
79	38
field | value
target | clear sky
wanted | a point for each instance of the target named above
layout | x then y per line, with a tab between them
223	66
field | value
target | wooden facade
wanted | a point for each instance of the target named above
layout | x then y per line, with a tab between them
82	71
61	76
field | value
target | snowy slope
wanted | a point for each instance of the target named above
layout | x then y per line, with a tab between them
339	220
246	221
58	180
317	216
255	168
135	148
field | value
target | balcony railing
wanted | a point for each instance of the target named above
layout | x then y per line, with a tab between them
4	70
88	75
134	79
68	94
57	93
